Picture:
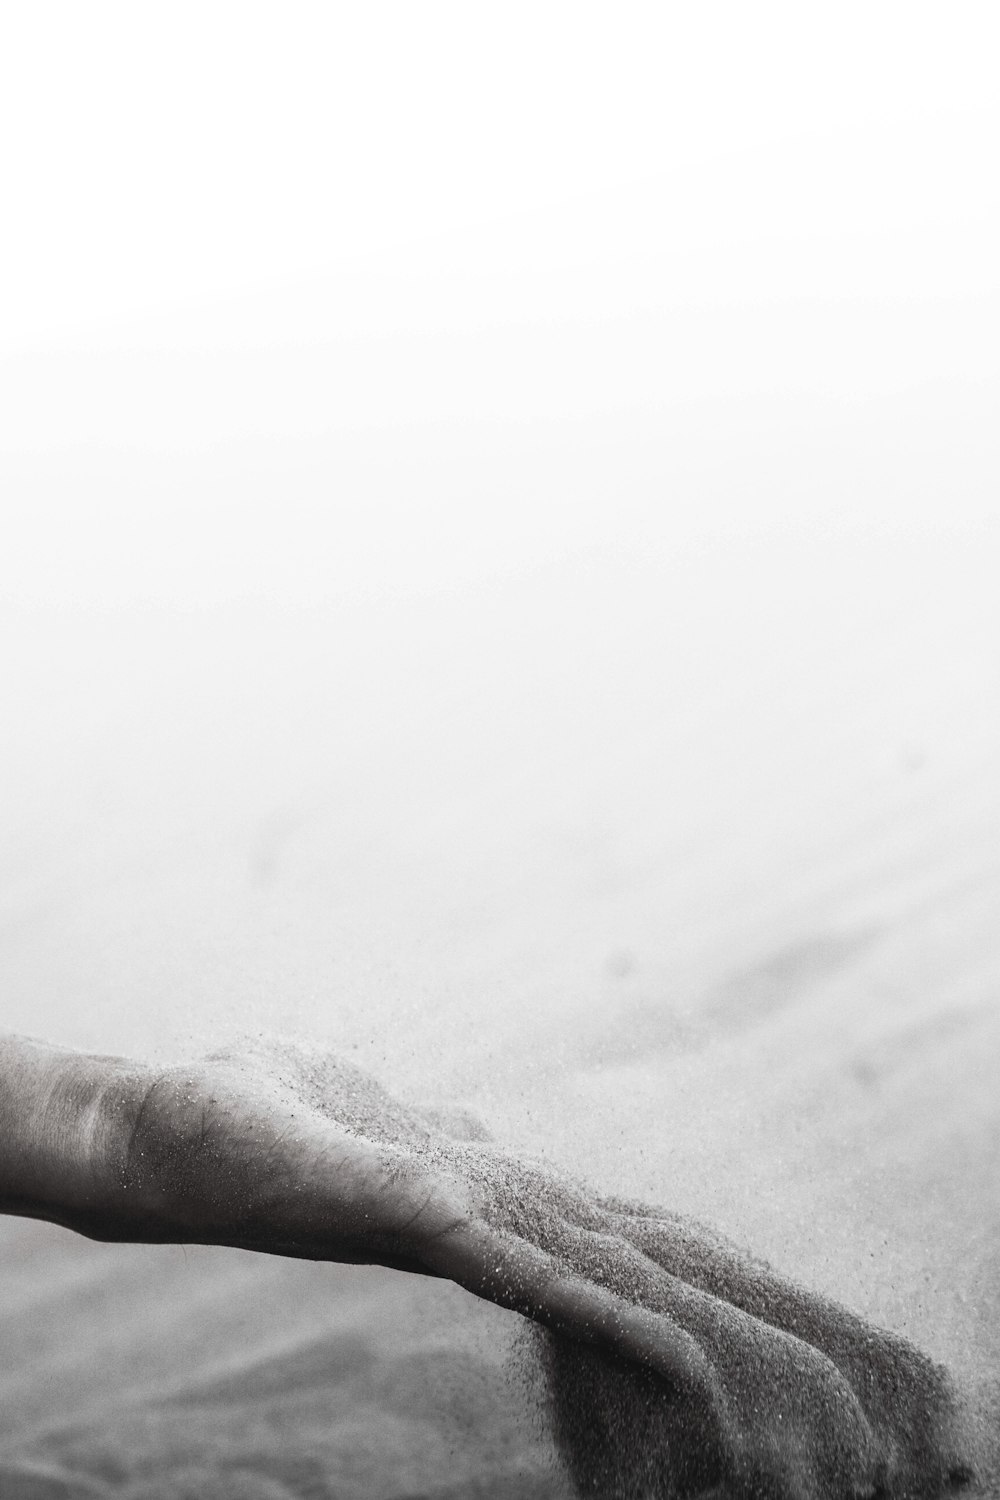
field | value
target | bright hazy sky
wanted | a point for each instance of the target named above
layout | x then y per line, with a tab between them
156	154
622	255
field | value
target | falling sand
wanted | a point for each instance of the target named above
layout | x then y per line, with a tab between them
682	870
812	1402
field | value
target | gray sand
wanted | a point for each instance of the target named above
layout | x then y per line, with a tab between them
625	1435
681	870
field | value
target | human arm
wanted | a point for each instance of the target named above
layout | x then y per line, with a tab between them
237	1150
289	1150
57	1133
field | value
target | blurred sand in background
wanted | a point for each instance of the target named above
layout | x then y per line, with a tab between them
677	862
564	678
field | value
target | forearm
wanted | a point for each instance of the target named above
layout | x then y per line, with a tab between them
59	1151
116	1150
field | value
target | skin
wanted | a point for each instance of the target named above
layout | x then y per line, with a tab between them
118	1151
265	1149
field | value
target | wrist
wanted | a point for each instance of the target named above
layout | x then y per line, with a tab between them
60	1128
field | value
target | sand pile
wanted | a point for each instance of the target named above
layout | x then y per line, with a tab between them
810	1401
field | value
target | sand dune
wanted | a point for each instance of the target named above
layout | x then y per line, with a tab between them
719	936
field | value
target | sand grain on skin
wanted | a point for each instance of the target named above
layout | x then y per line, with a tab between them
822	1403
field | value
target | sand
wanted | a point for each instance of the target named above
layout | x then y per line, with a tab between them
813	1400
707	926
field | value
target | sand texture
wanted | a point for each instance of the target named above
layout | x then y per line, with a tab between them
683	879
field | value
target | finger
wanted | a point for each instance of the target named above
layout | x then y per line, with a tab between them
512	1273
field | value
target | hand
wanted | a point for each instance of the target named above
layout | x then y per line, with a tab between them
752	1386
283	1149
276	1148
785	1358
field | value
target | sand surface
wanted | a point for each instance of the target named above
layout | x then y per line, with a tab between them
682	871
